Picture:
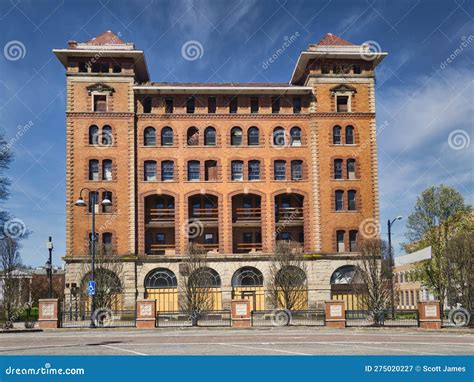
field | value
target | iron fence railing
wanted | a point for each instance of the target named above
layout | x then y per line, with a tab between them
382	318
186	319
102	318
288	318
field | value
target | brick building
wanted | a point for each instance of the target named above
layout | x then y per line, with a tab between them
232	166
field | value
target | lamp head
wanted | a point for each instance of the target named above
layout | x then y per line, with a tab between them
80	202
106	202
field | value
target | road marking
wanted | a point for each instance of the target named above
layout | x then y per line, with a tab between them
125	350
260	348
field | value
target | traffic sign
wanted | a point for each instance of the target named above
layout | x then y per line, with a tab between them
91	288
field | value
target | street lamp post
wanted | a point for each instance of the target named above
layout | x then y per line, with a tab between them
93	196
390	254
49	267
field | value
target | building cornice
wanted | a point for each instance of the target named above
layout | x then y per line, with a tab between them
80	114
250	116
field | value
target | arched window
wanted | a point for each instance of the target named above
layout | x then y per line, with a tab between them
347	274
254	170
161	278
290	276
236	136
167	136
107	169
237	170
167	170
149	136
336	135
93	135
210	136
150	170
280	170
107	138
253	136
337	168
349	135
247	276
296	169
204	277
351	170
192	136
351	200
279	136
193	170
93	169
339	200
295	134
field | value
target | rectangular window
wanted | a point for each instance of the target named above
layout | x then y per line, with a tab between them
296	170
169	105
107	170
107	242
190	105
95	68
208	238
296	105
340	241
280	170
94	170
324	69
100	102
160	238
237	170
150	170
117	68
353	241
254	170
93	201
339	200
193	171
338	169
275	105
247	236
351	200
357	69
233	105
82	67
342	104
254	106
104	68
107	195
147	105
211	105
167	170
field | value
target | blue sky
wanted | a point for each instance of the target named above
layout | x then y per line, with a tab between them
424	103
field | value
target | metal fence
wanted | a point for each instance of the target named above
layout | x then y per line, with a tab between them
383	318
288	318
202	319
102	318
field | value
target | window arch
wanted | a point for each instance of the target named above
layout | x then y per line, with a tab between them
236	136
295	135
210	136
93	169
247	276
349	135
205	277
253	137
279	136
107	138
192	136
161	278
93	135
347	274
167	136
149	136
336	135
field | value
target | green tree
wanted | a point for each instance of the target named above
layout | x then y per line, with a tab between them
440	213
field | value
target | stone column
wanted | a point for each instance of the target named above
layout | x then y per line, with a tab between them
241	315
335	314
429	314
146	314
48	313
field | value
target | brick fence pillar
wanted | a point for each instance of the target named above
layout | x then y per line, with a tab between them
429	314
335	314
48	313
146	314
241	315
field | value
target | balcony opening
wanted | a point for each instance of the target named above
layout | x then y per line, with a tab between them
159	225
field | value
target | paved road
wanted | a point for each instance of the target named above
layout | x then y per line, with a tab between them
274	341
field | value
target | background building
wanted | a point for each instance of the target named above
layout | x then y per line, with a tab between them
232	166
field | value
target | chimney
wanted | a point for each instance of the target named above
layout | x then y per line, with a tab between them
72	44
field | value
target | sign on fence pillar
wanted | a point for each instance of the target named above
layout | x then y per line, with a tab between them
335	314
241	314
146	314
429	314
48	317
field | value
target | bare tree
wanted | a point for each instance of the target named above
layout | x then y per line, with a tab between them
374	287
107	276
11	264
196	283
287	283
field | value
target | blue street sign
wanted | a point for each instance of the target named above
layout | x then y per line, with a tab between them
91	288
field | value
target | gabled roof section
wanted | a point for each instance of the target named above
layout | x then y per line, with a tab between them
106	38
331	39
